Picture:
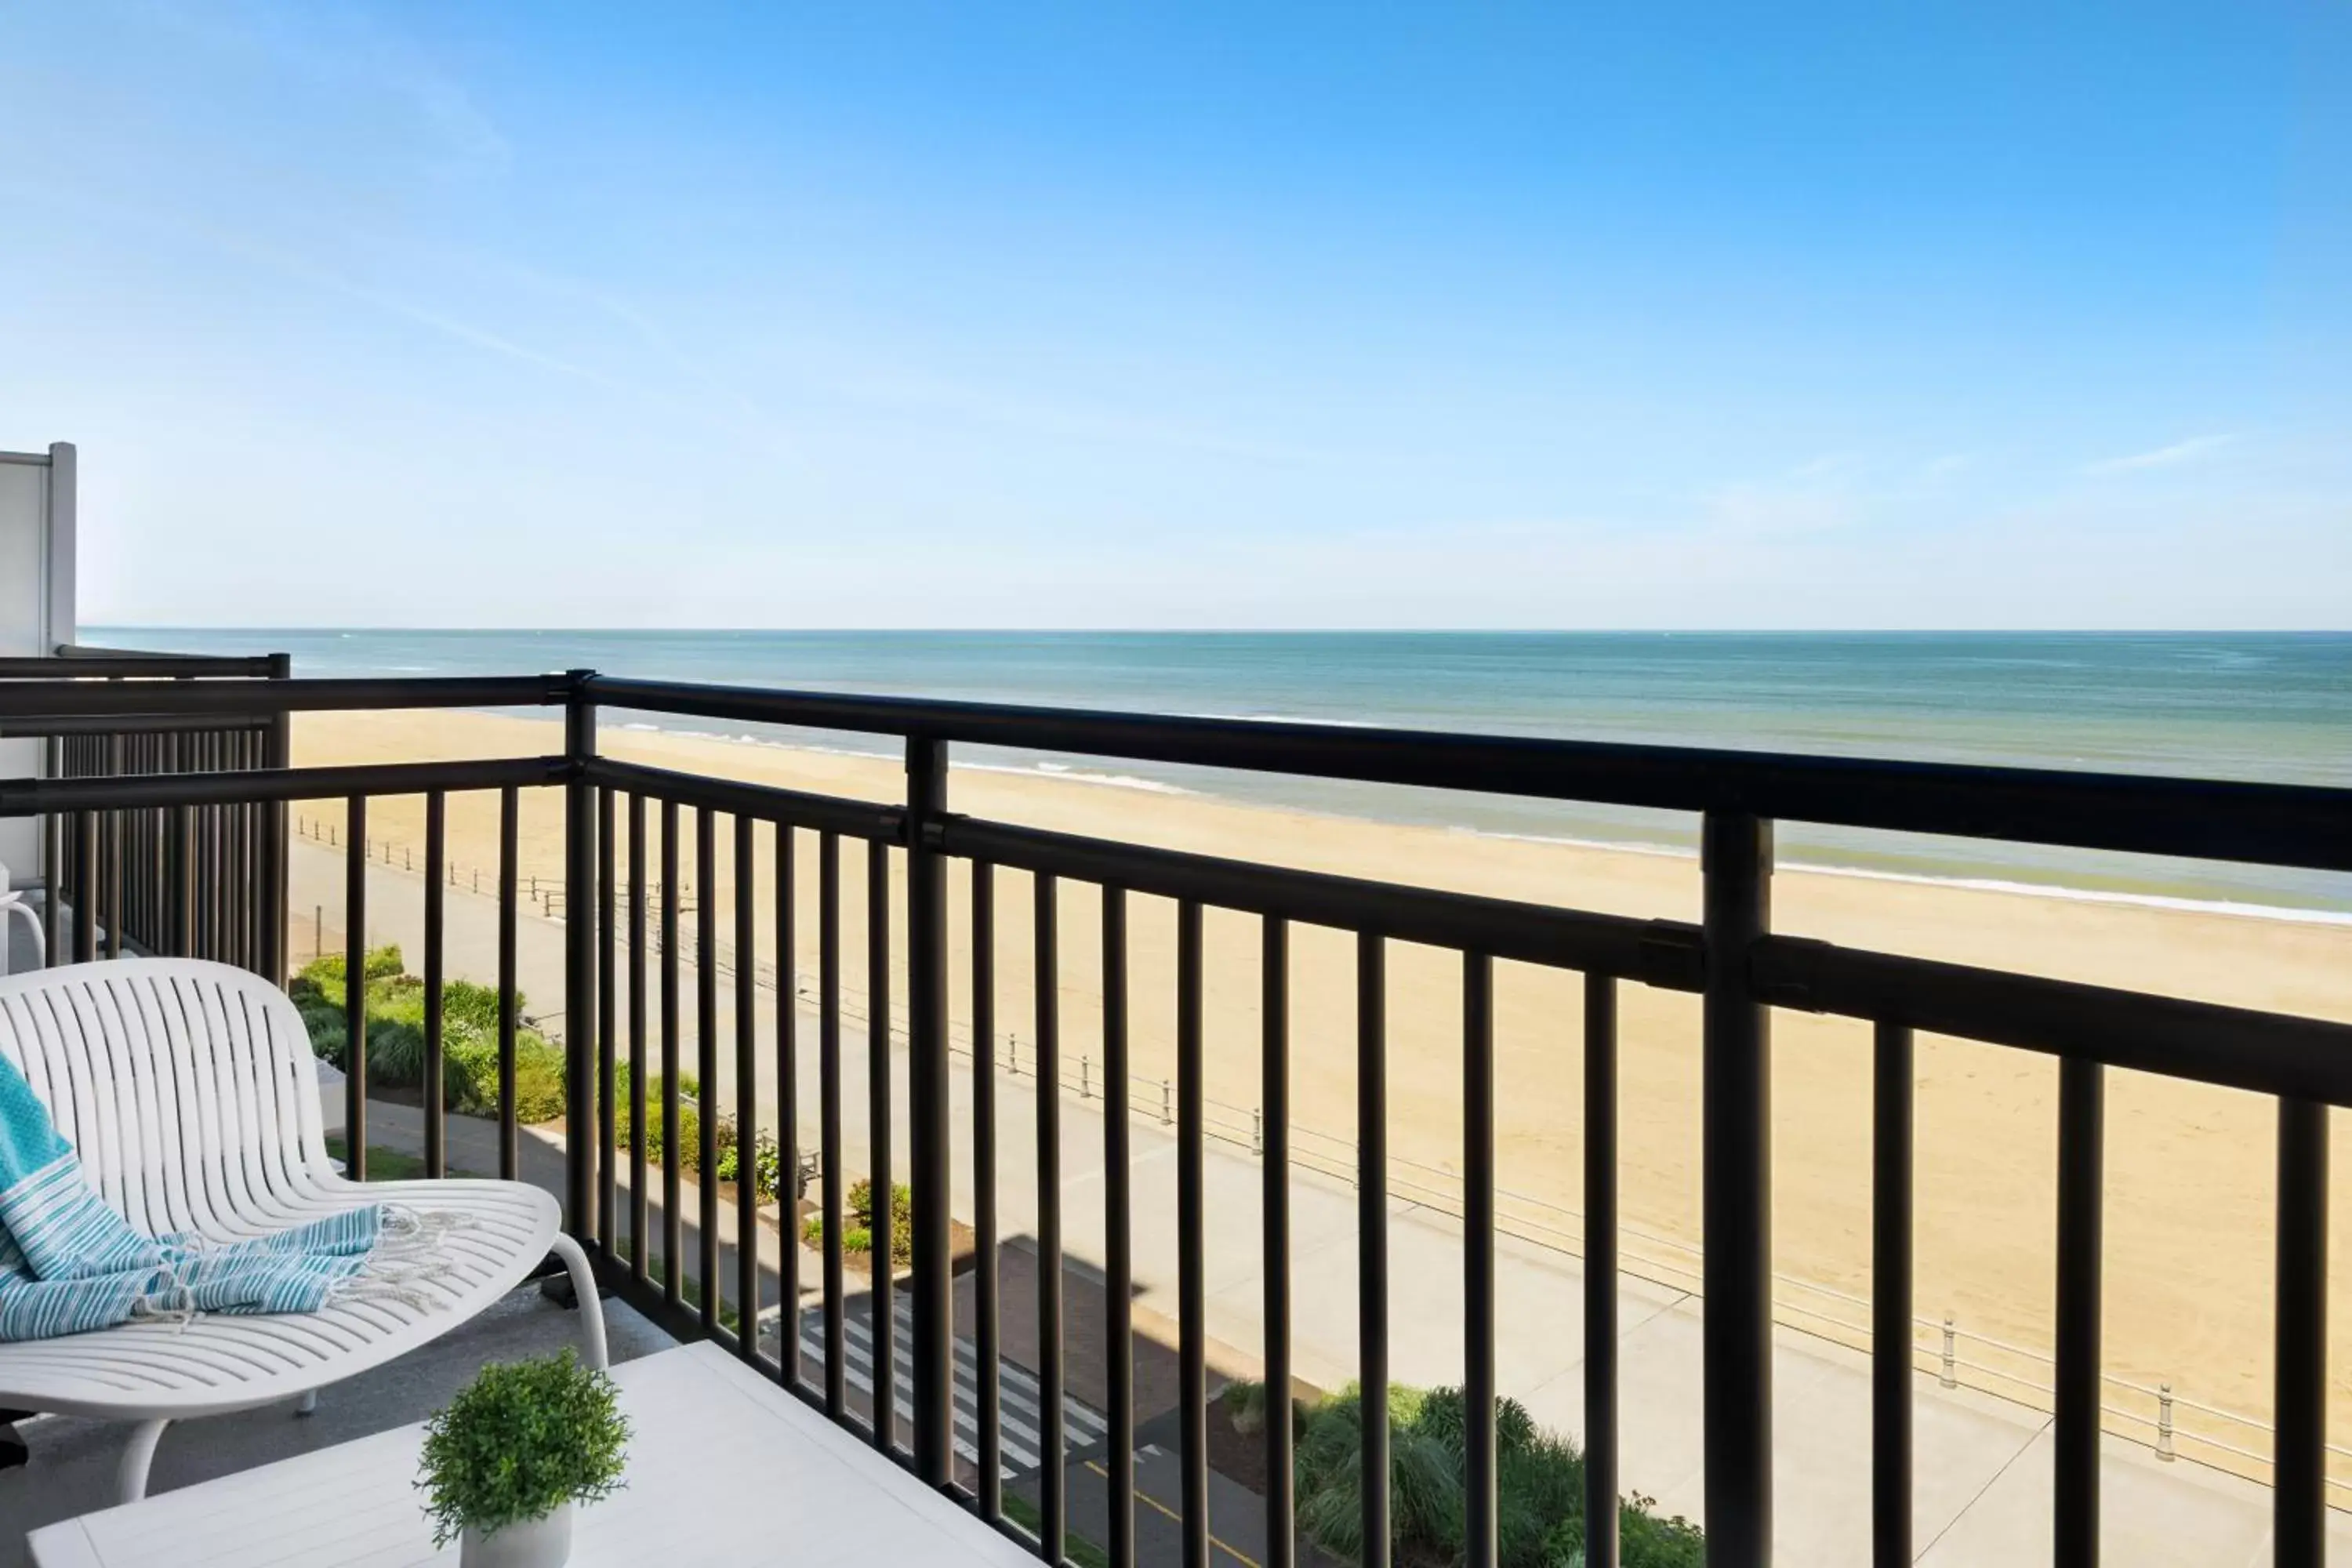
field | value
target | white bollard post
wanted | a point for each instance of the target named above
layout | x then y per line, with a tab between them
2164	1422
1167	1102
1086	1077
1257	1130
1945	1376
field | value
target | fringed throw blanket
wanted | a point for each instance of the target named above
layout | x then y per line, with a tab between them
69	1263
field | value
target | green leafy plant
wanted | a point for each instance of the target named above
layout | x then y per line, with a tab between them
1540	1485
765	1162
523	1438
689	1118
857	1236
395	1035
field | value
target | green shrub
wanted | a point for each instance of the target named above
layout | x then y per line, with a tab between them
857	1236
689	1119
1540	1486
766	1162
520	1440
324	975
539	1079
395	1031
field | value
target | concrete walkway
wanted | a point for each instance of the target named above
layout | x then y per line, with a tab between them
1983	1471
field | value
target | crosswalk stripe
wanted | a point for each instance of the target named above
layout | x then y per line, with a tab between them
1017	1388
1019	1396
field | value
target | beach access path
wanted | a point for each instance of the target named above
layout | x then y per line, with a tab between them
1983	1496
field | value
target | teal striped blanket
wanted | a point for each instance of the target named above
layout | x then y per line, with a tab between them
69	1263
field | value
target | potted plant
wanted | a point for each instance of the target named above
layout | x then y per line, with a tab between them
506	1461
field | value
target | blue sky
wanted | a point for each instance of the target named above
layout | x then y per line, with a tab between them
1698	315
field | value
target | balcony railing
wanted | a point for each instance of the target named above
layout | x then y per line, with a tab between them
125	862
1731	959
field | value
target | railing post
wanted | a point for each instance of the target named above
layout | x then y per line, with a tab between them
1948	1374
278	752
1736	861
928	1096
580	966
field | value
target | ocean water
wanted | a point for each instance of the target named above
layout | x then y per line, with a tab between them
2273	707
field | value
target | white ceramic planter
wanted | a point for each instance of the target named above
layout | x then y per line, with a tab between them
533	1543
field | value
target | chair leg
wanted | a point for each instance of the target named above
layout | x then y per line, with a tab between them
591	1306
13	1449
307	1405
138	1457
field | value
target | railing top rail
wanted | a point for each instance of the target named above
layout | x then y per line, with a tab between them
260	663
2289	824
72	663
158	697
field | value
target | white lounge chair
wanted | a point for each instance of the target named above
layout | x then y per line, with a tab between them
190	1092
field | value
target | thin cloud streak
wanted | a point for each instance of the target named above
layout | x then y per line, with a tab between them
2162	456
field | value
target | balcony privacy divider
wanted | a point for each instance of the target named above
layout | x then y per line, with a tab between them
144	835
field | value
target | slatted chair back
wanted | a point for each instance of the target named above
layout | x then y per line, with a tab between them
188	1089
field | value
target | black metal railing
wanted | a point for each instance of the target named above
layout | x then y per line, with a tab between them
1731	959
109	878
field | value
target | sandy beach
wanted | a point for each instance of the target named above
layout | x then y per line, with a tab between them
2190	1176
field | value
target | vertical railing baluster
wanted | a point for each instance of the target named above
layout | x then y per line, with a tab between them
581	1046
2081	1140
747	1098
788	1120
1372	1242
2299	1390
1478	1541
509	1133
673	1179
229	873
928	1136
1053	1479
1736	1197
608	1120
640	1216
1191	1225
987	1413
215	879
86	887
276	753
1600	1271
2082	1137
830	1157
434	1088
1118	1220
706	1061
355	1128
110	838
53	864
242	886
181	857
208	879
1281	1531
881	1298
1890	1297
